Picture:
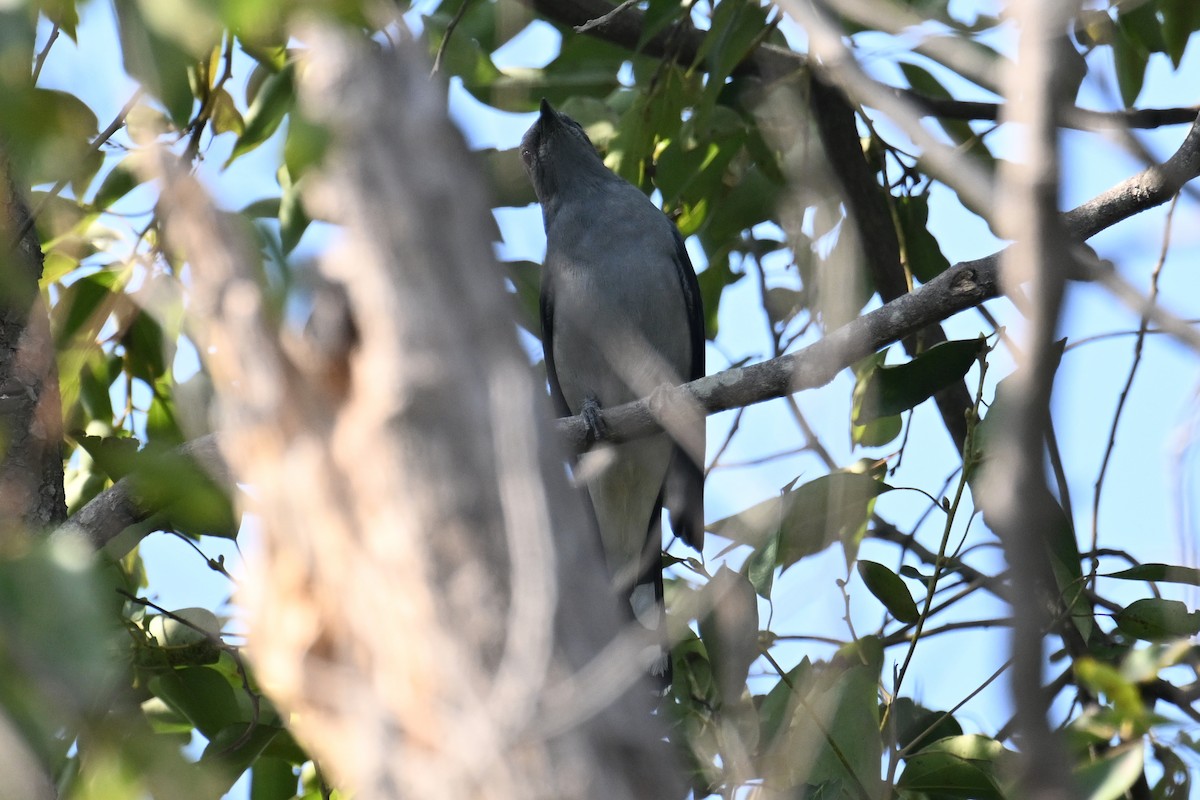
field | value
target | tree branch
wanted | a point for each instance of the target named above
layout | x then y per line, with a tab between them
961	287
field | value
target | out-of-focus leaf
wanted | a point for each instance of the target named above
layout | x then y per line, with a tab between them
773	711
273	102
304	146
272	779
958	766
119	182
730	631
293	220
833	719
922	254
1154	619
1110	777
48	135
809	518
1140	22
1130	58
60	618
1121	693
912	721
892	390
1180	19
62	13
184	494
226	118
266	208
88	301
146	350
1162	573
159	64
654	116
713	281
889	590
234	748
960	132
115	455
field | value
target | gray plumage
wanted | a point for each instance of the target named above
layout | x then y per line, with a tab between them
621	316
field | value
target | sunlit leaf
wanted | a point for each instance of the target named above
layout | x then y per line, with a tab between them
834	507
270	106
1110	777
161	65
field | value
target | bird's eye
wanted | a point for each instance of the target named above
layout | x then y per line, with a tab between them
527	156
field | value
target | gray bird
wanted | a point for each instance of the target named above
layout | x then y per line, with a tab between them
621	316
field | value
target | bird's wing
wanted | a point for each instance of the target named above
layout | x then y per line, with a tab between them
695	306
546	306
685	477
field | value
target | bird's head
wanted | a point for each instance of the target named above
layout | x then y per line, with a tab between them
556	153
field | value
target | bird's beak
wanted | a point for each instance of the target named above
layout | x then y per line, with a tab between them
547	110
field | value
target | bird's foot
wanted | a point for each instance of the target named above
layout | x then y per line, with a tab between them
590	411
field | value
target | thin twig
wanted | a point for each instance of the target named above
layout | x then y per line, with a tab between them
1143	327
450	26
44	53
598	21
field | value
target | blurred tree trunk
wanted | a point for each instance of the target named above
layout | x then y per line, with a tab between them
427	600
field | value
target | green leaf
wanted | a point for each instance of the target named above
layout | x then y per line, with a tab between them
1162	573
63	644
922	254
892	390
775	707
1110	777
190	502
273	102
226	118
293	220
119	182
960	132
114	455
890	590
1130	58
730	631
1154	619
833	719
204	696
911	721
304	146
809	518
759	568
62	13
147	352
48	134
233	749
1140	22
159	64
958	766
272	779
88	302
1180	19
